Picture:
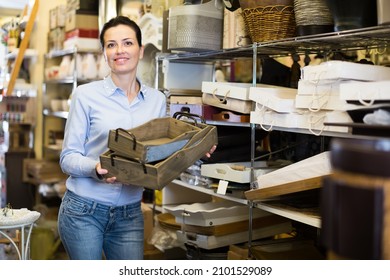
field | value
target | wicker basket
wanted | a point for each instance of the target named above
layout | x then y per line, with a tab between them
262	3
270	23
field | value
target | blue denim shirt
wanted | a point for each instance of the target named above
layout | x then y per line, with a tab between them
96	108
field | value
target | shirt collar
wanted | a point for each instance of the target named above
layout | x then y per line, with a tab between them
110	87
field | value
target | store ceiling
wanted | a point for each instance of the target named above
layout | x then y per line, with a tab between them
12	7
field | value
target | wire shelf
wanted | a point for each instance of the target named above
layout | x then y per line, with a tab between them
377	37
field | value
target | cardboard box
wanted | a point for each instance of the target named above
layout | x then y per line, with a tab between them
57	16
83	21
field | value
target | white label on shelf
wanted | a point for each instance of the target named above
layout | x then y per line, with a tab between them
222	186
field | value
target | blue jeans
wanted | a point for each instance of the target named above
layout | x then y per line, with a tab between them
89	229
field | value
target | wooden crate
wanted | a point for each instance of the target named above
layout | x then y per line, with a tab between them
152	141
157	175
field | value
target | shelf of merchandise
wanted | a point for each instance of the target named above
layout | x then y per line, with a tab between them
29	53
311	218
376	37
370	38
71	81
210	191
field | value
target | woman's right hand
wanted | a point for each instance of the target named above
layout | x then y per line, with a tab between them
100	172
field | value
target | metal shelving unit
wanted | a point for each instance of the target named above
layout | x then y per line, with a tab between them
68	82
377	37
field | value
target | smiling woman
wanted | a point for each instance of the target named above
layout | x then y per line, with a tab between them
123	49
98	215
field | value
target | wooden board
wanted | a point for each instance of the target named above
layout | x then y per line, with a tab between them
287	188
168	221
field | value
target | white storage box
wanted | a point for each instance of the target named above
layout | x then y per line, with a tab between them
279	99
239	172
229	96
230	104
320	88
324	102
269	118
212	213
226	89
365	92
82	44
322	94
333	70
180	99
196	27
314	121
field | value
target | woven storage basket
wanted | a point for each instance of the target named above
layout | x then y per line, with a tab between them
262	3
270	23
312	17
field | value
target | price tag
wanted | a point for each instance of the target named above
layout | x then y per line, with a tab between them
222	186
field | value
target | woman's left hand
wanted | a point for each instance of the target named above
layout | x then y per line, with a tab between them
213	148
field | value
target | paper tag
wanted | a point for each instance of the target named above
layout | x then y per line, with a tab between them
222	186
